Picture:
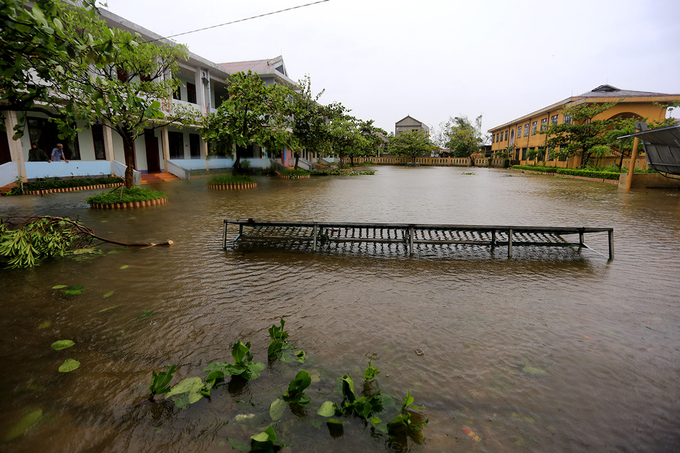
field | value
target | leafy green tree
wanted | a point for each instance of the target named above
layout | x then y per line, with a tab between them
254	114
310	119
346	139
375	137
584	135
412	144
35	46
131	94
461	136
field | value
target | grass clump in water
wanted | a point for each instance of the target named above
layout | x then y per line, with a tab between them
231	179
127	196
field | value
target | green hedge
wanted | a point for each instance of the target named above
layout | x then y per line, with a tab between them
535	168
588	173
570	171
298	172
343	173
129	195
231	179
58	183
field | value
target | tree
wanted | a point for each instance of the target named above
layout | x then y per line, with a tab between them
35	46
127	95
375	137
254	113
346	139
412	144
461	136
583	135
310	119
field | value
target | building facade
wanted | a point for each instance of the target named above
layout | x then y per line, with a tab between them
522	134
410	124
98	150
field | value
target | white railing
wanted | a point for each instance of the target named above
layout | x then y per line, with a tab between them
198	108
119	170
9	173
177	170
36	170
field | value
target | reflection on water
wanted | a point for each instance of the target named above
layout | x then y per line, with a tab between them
539	354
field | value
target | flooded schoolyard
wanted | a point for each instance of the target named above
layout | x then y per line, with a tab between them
548	351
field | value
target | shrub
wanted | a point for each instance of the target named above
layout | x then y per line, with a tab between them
59	183
231	179
588	173
129	195
293	172
541	169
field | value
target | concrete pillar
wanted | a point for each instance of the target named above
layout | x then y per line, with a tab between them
204	153
108	146
631	166
165	140
15	148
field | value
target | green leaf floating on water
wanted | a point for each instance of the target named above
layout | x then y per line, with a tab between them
59	286
73	290
62	344
145	314
23	425
69	365
187	391
277	408
45	324
109	294
327	409
125	266
533	371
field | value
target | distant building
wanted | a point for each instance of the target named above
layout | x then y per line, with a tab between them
270	71
523	132
410	124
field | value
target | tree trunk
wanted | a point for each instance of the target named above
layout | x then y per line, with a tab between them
129	150
297	159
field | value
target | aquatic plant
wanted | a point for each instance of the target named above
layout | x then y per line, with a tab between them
160	382
243	365
403	420
266	441
279	348
294	395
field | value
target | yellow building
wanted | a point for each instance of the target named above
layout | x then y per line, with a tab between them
523	132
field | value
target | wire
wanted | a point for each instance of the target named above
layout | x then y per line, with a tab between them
240	20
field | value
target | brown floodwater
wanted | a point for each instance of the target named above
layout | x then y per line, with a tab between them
549	351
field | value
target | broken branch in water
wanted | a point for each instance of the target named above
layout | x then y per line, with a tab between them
35	238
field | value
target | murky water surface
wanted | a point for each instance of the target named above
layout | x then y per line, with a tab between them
542	353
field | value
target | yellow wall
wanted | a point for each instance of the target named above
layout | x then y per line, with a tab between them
646	109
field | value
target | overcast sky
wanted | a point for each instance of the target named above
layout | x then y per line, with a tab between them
433	59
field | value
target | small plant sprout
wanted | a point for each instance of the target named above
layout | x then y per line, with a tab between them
370	372
160	382
266	441
243	365
294	395
279	348
403	420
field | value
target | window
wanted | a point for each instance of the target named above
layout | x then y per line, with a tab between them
45	134
176	142
98	141
534	126
191	93
195	146
544	124
177	94
566	119
526	130
524	154
492	138
519	131
553	119
506	136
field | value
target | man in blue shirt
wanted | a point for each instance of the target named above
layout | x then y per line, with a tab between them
58	153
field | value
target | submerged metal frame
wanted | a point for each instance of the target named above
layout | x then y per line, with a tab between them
402	233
